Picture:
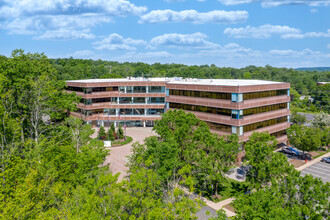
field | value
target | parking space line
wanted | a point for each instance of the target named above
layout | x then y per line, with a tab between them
317	170
317	167
324	166
314	170
313	175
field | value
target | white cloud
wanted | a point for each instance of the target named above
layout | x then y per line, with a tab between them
306	35
83	54
192	16
314	10
274	3
149	57
185	41
61	34
117	42
41	17
328	46
264	31
233	55
26	8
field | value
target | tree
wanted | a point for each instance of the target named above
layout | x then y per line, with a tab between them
321	121
80	132
295	197
186	152
102	134
297	118
304	138
111	132
120	132
264	165
37	94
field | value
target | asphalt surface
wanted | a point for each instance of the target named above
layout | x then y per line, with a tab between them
201	214
319	170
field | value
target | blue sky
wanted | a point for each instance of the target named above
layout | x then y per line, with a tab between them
229	33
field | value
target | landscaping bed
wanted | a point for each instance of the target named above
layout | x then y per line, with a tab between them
120	142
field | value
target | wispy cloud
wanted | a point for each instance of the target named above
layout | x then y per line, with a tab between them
117	42
306	35
184	41
193	16
41	17
275	3
61	34
263	31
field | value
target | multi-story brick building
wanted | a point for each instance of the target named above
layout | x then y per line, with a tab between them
228	106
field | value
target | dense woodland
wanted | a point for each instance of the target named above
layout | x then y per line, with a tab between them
52	169
302	82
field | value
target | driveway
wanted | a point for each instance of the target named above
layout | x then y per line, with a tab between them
117	159
320	170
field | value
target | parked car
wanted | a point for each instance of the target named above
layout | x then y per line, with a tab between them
326	159
292	151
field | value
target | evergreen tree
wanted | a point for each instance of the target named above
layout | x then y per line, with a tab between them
120	132
111	132
102	134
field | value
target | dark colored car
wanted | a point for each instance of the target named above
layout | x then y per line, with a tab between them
326	159
291	151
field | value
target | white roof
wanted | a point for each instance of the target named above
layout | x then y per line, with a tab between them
224	82
180	80
132	79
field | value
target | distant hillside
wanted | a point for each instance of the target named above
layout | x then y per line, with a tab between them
313	69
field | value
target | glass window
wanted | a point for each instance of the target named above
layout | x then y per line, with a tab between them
156	89
137	100
139	89
122	89
156	100
129	89
110	111
155	111
125	100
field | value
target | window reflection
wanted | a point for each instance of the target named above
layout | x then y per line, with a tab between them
262	124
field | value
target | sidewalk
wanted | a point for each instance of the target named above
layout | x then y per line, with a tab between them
220	205
314	161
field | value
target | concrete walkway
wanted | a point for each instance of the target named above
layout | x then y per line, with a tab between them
314	161
117	159
220	205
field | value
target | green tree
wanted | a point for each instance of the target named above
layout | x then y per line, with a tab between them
297	118
120	132
304	138
111	132
265	165
321	121
102	134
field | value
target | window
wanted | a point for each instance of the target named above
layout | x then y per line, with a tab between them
137	100
198	108
219	127
156	100
75	89
139	89
256	95
201	94
156	89
262	124
263	109
125	100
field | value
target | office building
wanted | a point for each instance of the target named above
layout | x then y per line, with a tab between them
226	105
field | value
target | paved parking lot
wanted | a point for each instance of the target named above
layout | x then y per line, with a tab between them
320	170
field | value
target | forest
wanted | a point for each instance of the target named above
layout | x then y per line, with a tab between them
52	169
303	83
